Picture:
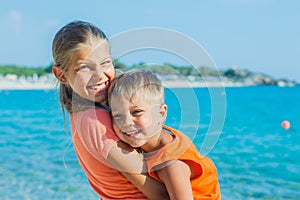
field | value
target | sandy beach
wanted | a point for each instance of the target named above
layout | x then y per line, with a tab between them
22	85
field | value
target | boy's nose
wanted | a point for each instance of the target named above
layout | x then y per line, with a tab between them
128	121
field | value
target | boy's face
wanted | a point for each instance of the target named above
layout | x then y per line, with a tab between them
91	71
137	122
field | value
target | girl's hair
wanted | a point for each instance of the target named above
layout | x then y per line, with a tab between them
138	82
68	39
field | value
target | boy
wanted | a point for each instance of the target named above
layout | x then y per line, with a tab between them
136	100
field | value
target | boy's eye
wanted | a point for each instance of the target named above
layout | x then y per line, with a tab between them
137	112
117	116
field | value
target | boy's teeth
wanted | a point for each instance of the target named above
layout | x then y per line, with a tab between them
132	133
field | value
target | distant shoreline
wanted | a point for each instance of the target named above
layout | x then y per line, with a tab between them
17	85
23	78
187	78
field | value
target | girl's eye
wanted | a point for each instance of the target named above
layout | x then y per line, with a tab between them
84	68
107	62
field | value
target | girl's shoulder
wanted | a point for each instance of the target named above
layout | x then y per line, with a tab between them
93	117
93	113
94	128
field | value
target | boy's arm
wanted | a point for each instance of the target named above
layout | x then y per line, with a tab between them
176	176
151	188
131	164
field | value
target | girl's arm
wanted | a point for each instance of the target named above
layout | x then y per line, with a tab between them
176	176
95	130
130	163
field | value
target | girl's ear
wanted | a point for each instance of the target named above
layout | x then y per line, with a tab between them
163	111
59	74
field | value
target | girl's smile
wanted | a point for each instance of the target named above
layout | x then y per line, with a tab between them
91	71
98	88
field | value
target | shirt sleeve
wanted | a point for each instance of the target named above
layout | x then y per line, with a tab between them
94	127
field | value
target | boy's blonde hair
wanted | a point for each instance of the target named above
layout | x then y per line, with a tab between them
140	83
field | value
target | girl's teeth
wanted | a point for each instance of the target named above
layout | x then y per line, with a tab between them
97	88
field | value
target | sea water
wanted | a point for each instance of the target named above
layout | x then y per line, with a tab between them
256	158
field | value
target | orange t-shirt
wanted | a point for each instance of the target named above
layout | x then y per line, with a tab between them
206	185
93	137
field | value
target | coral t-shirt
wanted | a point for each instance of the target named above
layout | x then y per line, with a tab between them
93	137
206	185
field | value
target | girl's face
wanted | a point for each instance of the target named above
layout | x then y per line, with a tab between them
91	71
138	122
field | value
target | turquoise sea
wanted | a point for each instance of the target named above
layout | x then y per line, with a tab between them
256	158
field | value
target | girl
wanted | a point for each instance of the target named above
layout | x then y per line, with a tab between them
84	68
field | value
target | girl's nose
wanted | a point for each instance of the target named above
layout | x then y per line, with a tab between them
102	70
98	73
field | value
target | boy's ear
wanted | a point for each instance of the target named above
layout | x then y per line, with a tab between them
59	74
163	111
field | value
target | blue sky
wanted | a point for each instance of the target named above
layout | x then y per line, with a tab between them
259	35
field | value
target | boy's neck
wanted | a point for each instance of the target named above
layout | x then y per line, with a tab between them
158	142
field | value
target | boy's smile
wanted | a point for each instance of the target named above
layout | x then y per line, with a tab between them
137	122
